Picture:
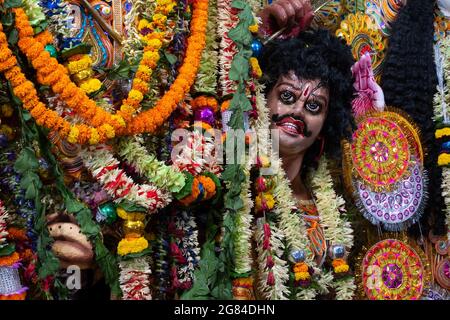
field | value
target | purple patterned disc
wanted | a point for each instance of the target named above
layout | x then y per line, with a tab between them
398	208
392	276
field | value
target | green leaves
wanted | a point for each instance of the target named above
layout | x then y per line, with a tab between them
108	264
210	278
7	250
123	71
7	19
131	207
88	227
171	58
189	179
31	183
12	4
13	37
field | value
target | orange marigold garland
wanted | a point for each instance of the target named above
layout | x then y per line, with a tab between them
50	72
26	92
148	121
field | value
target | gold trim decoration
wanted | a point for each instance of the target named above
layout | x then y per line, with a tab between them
362	34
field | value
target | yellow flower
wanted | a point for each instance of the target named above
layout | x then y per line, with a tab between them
143	23
91	85
135	95
130	215
159	18
73	135
255	67
133	245
341	269
444	159
152	55
154	44
268	198
302	276
442	132
79	65
119	119
253	28
95	137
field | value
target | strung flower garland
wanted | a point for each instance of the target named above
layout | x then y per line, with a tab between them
59	19
206	81
442	119
227	20
50	72
134	279
196	155
105	169
337	231
162	176
272	274
26	92
243	234
10	285
132	44
147	121
184	250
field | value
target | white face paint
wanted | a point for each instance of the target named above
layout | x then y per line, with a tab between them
444	6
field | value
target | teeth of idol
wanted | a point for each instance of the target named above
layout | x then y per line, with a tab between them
290	126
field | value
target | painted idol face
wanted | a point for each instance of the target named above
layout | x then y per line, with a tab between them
298	108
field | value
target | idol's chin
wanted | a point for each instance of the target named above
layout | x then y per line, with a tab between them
291	144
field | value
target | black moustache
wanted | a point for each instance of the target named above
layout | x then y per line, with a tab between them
277	118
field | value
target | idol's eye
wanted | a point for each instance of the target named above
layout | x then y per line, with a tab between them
287	97
313	106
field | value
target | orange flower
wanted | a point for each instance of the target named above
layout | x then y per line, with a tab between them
338	262
17	234
18	296
8	261
209	185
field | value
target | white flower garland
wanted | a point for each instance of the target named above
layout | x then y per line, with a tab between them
243	220
279	291
336	230
3	225
442	112
197	155
164	177
100	161
189	246
134	279
329	205
132	44
60	20
226	22
206	81
446	195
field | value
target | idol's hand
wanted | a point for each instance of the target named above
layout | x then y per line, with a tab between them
294	15
365	83
71	246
